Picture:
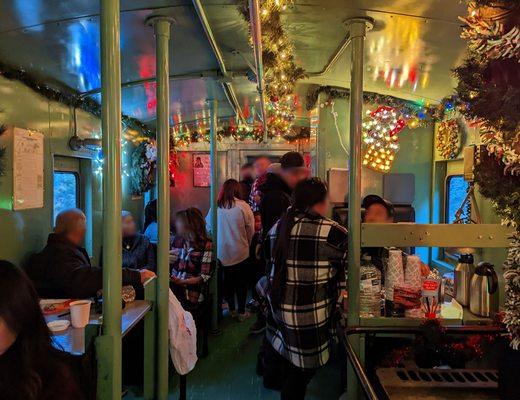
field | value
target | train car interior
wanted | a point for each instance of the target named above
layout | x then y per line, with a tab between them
124	126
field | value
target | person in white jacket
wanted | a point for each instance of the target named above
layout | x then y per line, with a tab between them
236	227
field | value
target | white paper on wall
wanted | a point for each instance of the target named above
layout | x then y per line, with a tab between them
201	170
28	176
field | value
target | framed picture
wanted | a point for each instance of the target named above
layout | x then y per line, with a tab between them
201	170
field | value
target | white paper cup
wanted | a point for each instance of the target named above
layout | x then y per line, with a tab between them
80	313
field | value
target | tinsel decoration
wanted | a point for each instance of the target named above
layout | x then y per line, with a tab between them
448	139
380	139
143	165
512	290
3	151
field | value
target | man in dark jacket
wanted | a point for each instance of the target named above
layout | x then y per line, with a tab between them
277	190
63	269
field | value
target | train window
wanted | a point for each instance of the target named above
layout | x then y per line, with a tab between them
66	191
456	190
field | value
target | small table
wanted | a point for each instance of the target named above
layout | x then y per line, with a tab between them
72	340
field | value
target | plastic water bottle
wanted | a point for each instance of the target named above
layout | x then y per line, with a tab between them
369	289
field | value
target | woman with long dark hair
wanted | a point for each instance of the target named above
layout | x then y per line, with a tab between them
306	253
191	257
30	367
236	227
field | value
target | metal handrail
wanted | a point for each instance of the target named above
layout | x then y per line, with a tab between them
358	367
360	372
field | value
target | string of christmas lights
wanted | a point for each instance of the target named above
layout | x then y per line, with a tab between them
280	70
380	138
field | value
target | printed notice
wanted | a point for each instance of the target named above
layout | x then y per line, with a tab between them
201	170
27	169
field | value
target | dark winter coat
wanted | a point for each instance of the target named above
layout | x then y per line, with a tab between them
63	270
275	201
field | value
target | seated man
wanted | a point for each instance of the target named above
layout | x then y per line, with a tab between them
63	269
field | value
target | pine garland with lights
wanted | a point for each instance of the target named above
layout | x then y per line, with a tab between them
65	95
512	290
143	166
280	69
420	113
186	135
489	81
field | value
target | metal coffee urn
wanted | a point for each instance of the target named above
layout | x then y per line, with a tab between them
463	274
484	290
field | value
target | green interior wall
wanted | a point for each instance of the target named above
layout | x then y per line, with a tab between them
25	232
415	156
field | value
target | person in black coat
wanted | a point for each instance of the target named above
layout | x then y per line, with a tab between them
138	252
246	181
278	187
276	198
63	269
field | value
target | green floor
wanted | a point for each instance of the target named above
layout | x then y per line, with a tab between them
229	371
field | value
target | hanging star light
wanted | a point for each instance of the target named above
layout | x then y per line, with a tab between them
380	138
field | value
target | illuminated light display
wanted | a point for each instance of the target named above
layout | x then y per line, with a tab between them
380	138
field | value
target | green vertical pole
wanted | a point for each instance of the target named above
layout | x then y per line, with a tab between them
321	142
213	207
162	26
109	351
358	27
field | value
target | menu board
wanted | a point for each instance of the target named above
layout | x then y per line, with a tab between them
27	169
201	170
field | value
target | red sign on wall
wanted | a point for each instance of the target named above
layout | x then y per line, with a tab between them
201	170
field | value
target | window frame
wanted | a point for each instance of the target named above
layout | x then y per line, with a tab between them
446	255
445	216
77	176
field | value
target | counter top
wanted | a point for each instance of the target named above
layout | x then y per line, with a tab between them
468	319
73	340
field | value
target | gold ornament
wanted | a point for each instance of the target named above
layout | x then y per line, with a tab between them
448	139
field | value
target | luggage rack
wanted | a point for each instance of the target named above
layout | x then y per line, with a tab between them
411	377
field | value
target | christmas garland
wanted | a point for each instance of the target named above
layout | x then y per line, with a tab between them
512	292
280	70
143	165
183	137
60	93
448	139
489	81
421	114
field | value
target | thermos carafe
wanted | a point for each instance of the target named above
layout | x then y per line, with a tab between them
463	274
484	290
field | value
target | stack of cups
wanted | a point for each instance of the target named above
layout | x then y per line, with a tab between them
413	279
394	273
412	274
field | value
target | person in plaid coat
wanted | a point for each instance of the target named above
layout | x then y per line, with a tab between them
191	258
306	255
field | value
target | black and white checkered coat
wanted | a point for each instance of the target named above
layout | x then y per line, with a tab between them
300	330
